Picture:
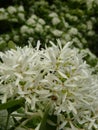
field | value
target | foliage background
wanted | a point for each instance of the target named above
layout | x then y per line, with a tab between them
74	20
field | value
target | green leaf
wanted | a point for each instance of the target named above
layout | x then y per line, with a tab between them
3	45
11	45
12	104
32	123
52	118
44	120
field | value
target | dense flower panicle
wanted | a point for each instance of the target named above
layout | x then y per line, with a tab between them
57	74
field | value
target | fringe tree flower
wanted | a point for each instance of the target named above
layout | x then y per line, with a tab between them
55	74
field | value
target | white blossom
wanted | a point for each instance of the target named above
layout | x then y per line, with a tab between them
21	16
56	74
55	21
57	32
20	8
41	21
11	9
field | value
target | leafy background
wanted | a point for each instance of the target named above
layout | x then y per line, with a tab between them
32	20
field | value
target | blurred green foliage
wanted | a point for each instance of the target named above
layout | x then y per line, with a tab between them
71	20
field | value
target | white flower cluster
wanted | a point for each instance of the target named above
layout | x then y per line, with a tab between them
13	14
49	23
34	24
55	74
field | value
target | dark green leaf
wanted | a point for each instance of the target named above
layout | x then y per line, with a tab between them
32	123
12	104
44	120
